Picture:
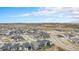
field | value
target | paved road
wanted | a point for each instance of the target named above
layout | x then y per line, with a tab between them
62	43
27	38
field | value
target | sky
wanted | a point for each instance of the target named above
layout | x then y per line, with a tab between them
39	15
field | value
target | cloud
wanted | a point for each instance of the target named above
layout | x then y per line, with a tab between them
55	14
41	11
66	12
27	14
49	11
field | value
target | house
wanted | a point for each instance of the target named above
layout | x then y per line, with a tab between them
17	38
15	47
6	47
27	46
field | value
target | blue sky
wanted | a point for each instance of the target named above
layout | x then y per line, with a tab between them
39	15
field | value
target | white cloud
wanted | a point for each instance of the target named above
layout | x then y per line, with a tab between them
27	14
55	14
48	11
48	19
42	11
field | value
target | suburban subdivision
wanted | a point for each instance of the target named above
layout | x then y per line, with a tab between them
39	37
